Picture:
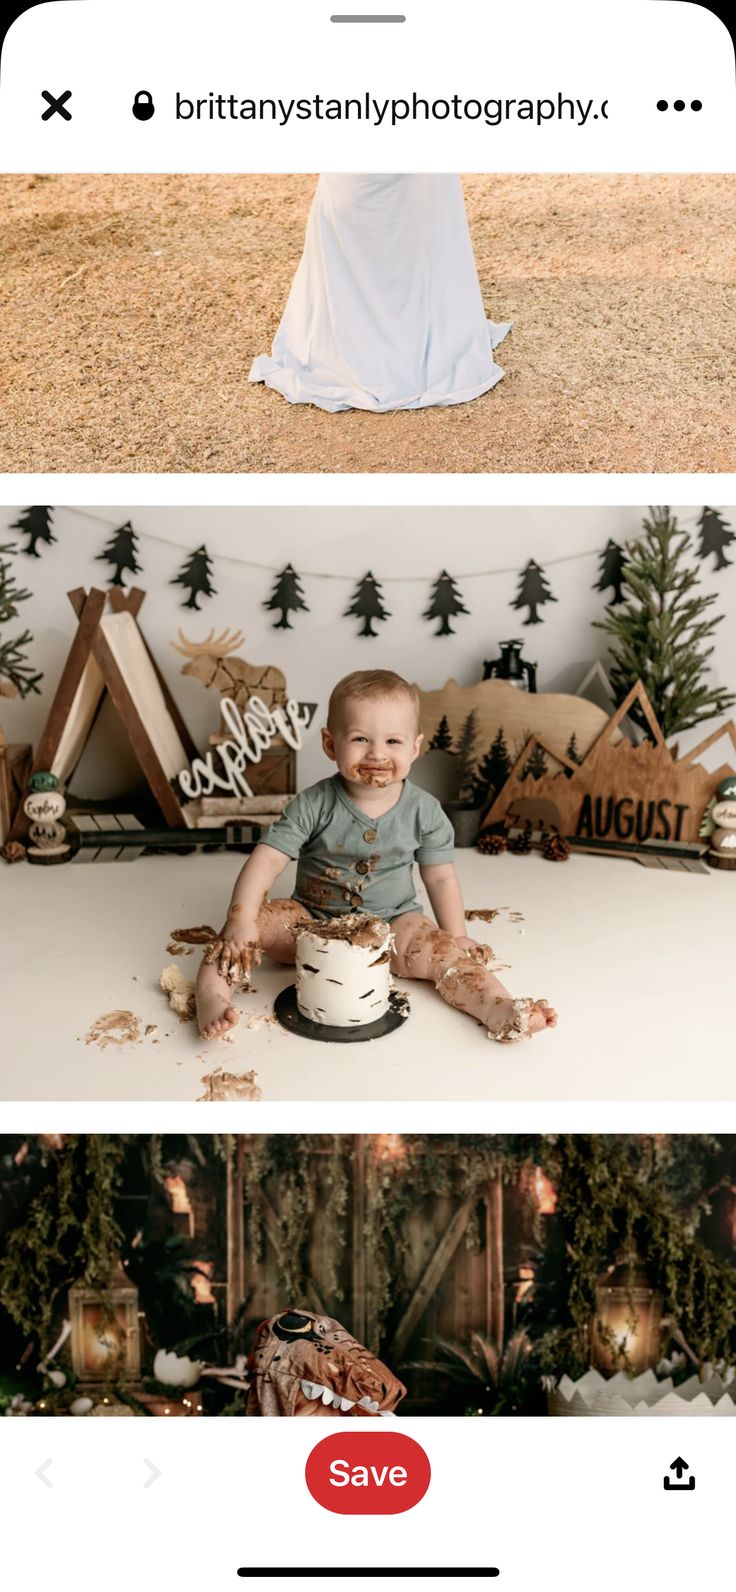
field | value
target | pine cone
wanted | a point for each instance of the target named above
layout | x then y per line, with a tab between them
491	845
521	845
13	851
555	848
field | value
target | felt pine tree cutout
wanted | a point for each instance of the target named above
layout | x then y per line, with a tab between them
536	763
287	595
533	592
613	561
715	534
445	602
35	523
493	771
442	739
120	553
662	633
16	678
196	575
465	753
367	604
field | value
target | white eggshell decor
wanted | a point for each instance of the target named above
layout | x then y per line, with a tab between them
647	1394
343	974
176	1370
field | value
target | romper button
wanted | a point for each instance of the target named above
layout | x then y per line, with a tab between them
356	901
362	867
370	835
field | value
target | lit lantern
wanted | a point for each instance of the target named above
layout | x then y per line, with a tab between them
626	1335
512	667
105	1342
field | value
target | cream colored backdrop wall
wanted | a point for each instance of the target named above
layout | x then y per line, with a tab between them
322	644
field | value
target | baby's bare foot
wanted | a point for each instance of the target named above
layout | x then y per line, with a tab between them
215	1013
510	1020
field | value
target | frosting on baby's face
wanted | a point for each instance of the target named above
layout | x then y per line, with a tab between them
375	741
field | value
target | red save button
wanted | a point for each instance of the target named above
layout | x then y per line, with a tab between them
368	1473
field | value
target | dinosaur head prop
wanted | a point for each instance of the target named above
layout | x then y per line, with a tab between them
306	1364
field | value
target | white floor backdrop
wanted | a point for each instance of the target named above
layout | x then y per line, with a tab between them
627	954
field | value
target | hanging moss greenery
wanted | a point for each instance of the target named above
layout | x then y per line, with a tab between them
69	1234
640	1194
288	1178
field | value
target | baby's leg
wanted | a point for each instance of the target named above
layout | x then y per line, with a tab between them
215	1011
464	979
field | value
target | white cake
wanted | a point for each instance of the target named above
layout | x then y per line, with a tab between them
343	974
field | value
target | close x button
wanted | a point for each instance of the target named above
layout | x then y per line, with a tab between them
56	105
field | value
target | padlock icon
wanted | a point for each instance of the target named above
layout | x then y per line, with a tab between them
143	106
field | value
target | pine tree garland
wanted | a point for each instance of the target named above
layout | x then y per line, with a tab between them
196	576
661	633
715	534
446	601
35	523
121	552
534	591
367	604
613	562
16	678
288	596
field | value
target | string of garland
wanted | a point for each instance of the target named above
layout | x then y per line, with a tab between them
446	601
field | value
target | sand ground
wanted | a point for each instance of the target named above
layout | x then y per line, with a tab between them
131	308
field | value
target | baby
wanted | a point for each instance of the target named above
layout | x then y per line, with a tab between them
356	837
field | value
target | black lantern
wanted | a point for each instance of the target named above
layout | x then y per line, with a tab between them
512	667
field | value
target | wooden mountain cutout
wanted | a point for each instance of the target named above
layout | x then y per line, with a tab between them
550	716
109	656
622	797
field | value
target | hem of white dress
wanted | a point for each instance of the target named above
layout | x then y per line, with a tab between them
287	380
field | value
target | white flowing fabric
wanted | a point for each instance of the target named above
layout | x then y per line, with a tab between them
385	310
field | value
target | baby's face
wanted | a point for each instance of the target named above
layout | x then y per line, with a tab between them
373	742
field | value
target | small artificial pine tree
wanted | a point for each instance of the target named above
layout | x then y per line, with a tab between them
16	679
715	534
613	561
465	753
367	604
536	763
660	634
445	602
287	595
35	523
442	739
196	575
533	592
120	552
493	771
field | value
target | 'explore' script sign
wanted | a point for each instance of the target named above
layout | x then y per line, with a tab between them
252	730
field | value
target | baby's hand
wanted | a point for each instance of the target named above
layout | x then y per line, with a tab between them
475	949
236	952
